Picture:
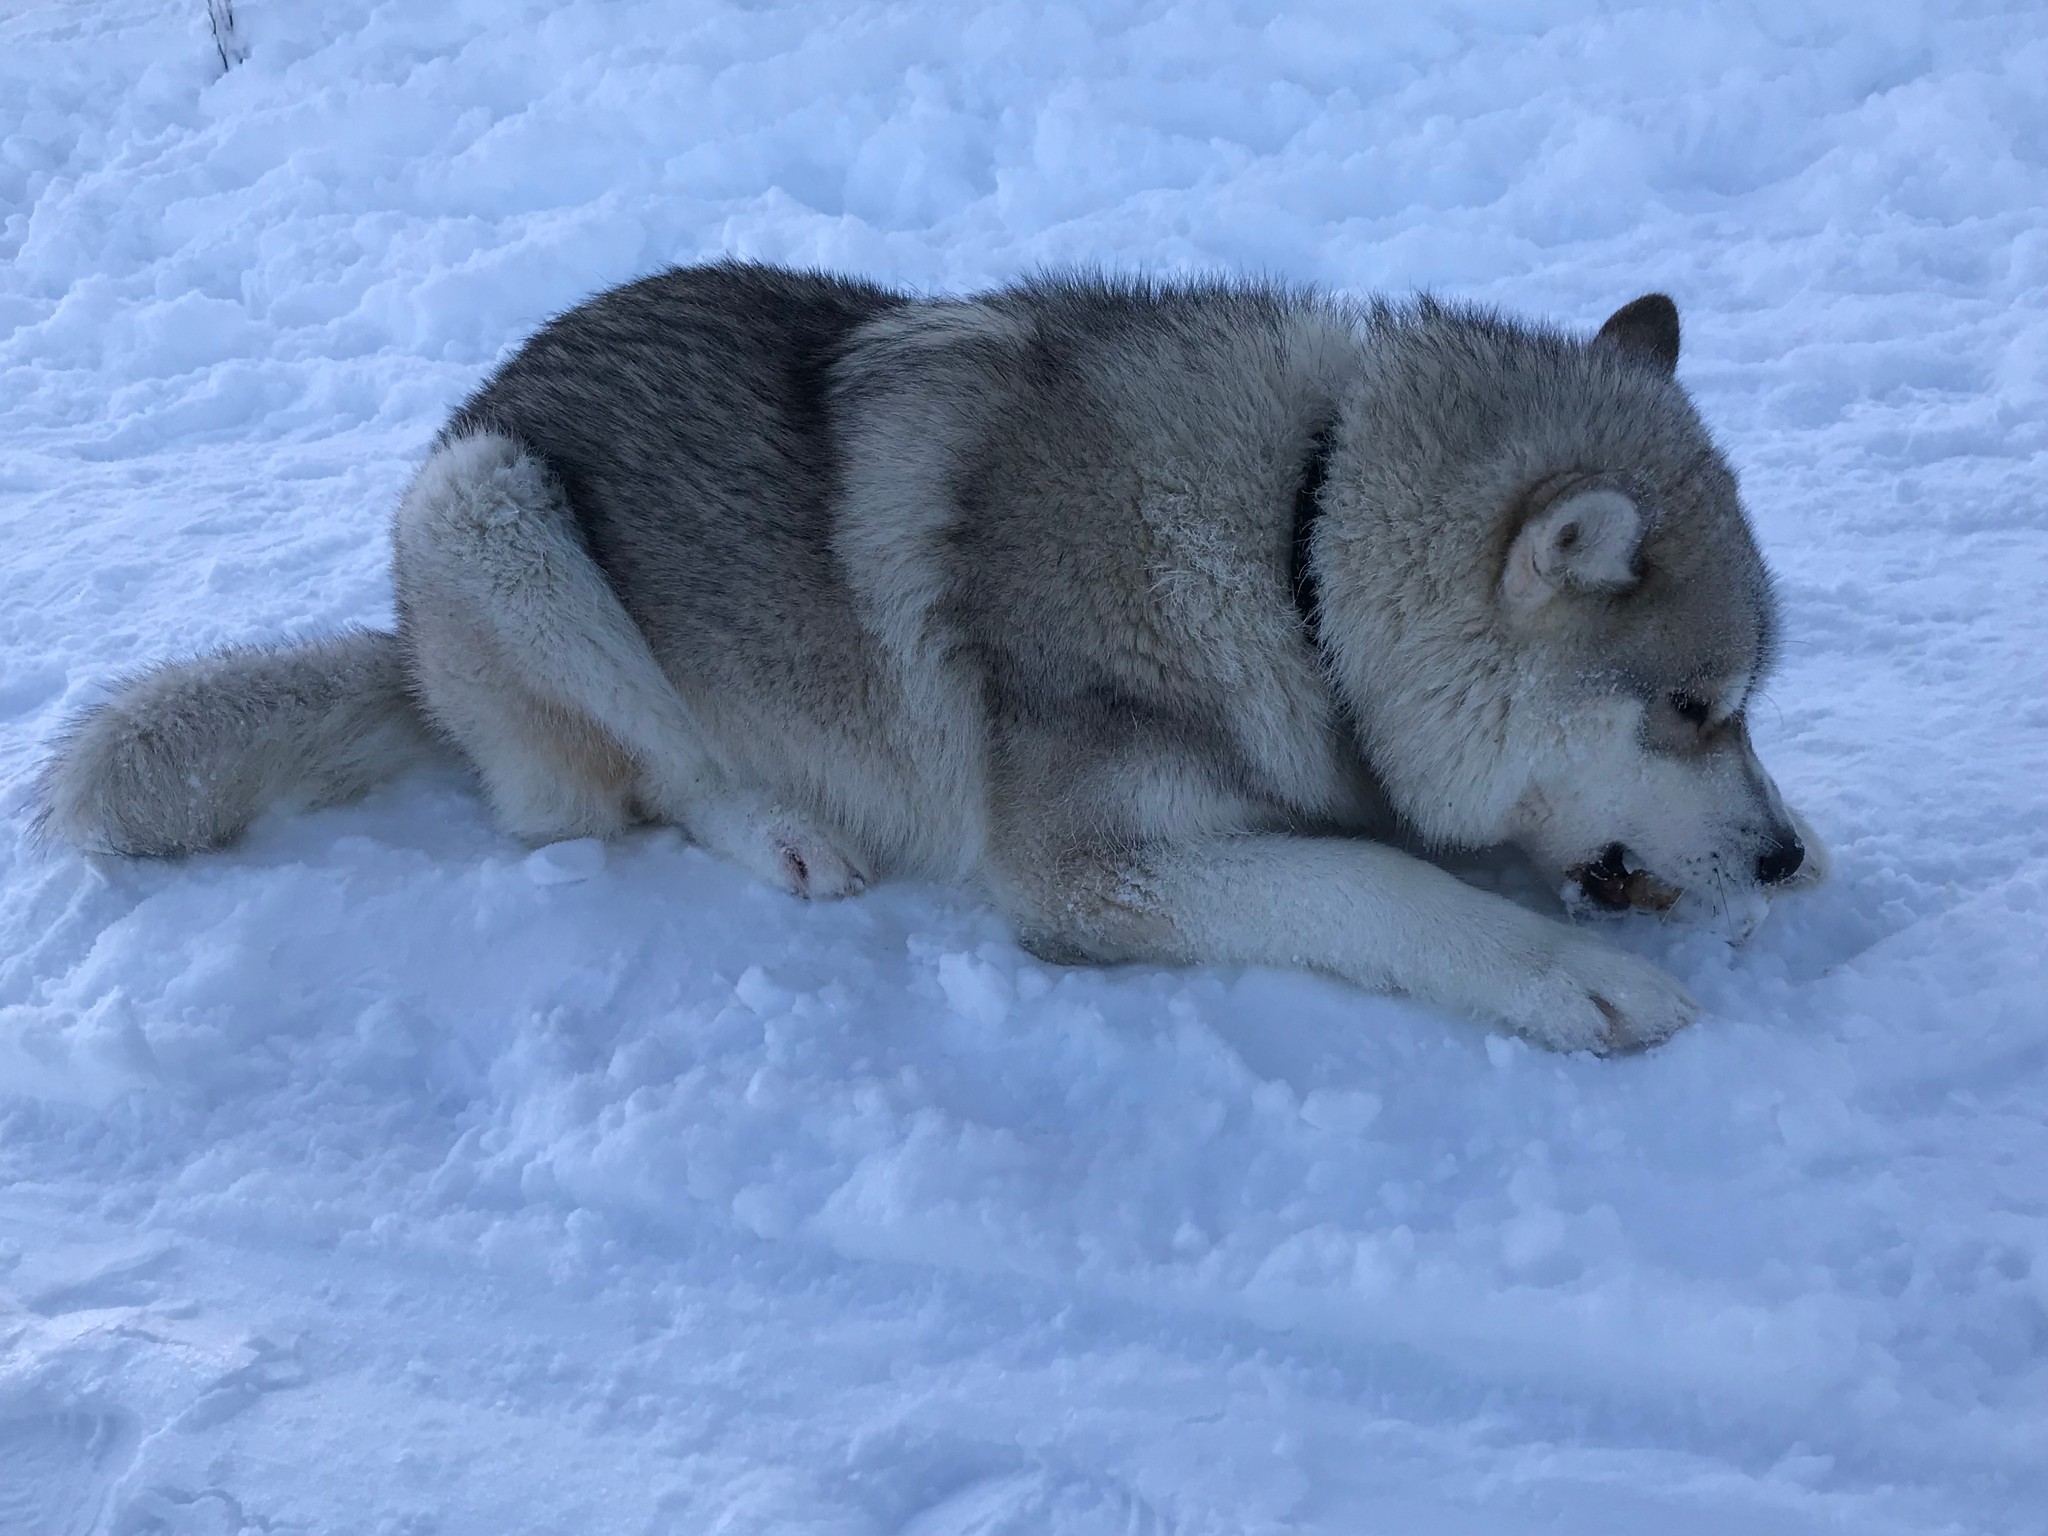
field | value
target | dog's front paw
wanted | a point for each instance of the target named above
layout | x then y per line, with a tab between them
1589	996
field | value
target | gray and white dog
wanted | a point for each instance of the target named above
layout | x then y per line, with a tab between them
1159	612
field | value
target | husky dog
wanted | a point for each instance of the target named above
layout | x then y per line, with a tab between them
1159	612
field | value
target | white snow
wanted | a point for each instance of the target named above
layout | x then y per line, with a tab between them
384	1177
580	858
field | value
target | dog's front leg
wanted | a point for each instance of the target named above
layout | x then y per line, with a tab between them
1355	909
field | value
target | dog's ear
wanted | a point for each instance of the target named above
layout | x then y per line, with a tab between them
1584	542
1645	330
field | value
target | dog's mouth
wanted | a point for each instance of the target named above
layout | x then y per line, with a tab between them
1609	884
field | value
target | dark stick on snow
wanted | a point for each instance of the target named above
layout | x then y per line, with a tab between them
225	41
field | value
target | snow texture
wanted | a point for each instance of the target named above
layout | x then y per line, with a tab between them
383	1176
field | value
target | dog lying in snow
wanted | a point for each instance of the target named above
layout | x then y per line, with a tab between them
1150	609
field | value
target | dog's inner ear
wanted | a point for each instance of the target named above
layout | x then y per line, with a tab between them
1584	542
1646	330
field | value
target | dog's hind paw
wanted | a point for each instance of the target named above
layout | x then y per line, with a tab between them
781	847
813	869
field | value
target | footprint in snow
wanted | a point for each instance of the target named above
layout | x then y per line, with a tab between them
60	1461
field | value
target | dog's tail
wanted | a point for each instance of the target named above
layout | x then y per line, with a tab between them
184	756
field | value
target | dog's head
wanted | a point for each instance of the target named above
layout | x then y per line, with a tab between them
1551	616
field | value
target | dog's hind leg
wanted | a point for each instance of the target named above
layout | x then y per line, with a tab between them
487	586
523	654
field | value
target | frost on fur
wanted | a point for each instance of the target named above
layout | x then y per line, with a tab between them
182	757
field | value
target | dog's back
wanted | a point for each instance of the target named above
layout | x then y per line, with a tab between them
688	420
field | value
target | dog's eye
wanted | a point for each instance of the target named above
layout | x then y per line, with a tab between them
1692	709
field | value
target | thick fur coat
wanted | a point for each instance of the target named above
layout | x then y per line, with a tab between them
1155	611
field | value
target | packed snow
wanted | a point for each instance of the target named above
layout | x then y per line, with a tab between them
385	1176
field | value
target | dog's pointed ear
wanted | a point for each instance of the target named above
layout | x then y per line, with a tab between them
1584	542
1646	330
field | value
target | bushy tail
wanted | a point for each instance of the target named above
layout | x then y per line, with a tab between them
184	756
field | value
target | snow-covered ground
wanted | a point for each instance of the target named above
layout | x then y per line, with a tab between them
370	1179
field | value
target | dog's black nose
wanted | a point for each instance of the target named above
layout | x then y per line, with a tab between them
1780	861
